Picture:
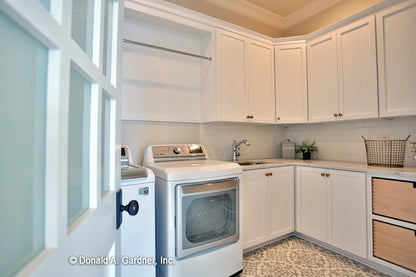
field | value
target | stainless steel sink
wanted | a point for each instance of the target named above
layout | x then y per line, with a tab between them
250	163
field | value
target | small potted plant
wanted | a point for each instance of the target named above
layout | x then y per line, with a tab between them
307	148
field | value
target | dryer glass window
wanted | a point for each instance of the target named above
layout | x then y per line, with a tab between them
206	216
209	218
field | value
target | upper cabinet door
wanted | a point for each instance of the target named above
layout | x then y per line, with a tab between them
357	70
261	82
291	83
231	62
396	44
323	79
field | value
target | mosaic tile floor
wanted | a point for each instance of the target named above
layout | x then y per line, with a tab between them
297	257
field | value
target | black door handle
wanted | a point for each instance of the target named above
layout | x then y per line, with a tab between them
132	208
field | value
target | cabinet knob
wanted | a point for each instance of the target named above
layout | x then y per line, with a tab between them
327	175
340	114
335	114
250	116
278	118
322	174
269	174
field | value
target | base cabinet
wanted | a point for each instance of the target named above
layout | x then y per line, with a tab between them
267	204
331	207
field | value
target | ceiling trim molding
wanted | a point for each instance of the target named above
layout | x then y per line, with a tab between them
267	17
307	11
250	10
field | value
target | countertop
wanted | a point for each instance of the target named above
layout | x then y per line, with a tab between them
388	172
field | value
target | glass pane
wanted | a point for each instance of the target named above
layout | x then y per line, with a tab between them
23	75
46	3
82	24
105	143
108	36
209	218
78	146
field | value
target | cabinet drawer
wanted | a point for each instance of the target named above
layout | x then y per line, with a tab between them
394	244
395	199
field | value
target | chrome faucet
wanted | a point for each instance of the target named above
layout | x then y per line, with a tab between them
236	148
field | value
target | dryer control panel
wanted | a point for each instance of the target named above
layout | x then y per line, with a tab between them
156	153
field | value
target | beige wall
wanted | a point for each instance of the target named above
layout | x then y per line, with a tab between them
335	13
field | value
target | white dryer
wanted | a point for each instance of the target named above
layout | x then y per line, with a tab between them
198	226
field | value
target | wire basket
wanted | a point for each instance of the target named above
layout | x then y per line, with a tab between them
385	152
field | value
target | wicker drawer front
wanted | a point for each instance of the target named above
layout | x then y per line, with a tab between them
394	244
396	199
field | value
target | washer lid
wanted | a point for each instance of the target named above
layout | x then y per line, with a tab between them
194	170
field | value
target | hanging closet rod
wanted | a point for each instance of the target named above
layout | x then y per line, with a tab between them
167	49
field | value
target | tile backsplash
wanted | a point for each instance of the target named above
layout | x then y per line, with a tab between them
342	141
337	141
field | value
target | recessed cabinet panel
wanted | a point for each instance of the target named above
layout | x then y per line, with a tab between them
396	44
357	69
254	209
323	79
311	202
261	83
231	77
347	210
291	83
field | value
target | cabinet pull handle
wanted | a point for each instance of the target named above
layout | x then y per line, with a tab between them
322	174
340	114
335	114
327	175
268	174
250	116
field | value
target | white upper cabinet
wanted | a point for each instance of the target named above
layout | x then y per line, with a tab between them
231	75
291	83
245	79
323	78
342	74
396	44
261	82
357	70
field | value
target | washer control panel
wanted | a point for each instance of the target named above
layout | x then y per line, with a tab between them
175	152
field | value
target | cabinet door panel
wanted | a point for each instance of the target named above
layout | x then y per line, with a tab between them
253	208
281	200
323	79
261	83
357	70
347	211
311	202
291	84
231	77
396	44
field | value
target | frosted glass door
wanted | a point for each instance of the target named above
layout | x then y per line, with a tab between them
55	103
23	78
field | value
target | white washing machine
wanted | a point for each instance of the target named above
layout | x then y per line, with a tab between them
198	226
138	245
